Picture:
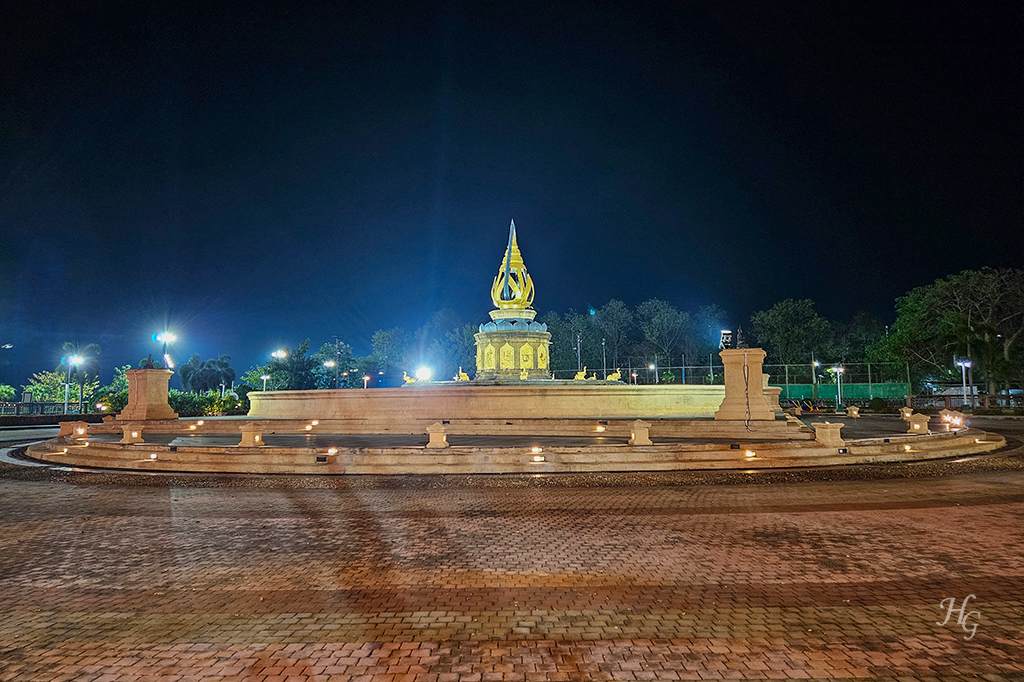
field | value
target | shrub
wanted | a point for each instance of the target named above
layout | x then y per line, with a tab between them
878	405
112	403
191	403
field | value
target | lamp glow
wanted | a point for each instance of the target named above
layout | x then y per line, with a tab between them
423	374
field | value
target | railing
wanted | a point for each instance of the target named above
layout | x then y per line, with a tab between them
37	408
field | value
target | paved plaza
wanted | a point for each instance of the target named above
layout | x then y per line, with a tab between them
120	577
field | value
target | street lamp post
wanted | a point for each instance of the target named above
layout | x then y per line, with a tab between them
839	386
604	357
366	380
73	360
332	363
654	368
964	363
265	377
166	338
579	356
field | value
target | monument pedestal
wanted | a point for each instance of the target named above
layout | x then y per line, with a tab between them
147	395
744	386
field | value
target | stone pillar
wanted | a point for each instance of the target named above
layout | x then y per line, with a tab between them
829	434
132	434
853	412
71	430
744	390
641	434
438	436
905	413
918	423
147	395
252	435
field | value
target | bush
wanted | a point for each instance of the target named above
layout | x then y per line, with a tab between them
112	403
191	403
878	405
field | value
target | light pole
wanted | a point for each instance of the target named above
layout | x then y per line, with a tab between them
654	368
265	377
579	360
332	363
73	360
366	380
838	369
165	338
604	358
964	363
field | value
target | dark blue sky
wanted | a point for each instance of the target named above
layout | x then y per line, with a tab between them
256	176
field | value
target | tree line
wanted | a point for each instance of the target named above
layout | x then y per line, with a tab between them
974	314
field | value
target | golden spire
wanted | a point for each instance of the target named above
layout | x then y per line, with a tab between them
513	287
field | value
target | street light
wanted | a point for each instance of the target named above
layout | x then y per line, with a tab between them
265	377
73	360
964	363
331	363
654	368
604	358
366	380
279	354
165	338
838	369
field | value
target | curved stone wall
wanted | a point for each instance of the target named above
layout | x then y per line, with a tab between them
568	400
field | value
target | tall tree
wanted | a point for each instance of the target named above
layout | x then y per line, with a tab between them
295	369
188	371
853	340
664	326
333	366
206	375
977	313
614	320
390	347
791	331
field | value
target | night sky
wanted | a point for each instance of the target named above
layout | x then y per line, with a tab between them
250	177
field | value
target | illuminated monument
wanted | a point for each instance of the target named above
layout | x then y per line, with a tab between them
512	345
659	427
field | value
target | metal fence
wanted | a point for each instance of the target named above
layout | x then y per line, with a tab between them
37	408
813	381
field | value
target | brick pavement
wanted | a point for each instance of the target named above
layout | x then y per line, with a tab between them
819	580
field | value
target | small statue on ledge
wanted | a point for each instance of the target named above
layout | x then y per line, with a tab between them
408	379
581	375
614	376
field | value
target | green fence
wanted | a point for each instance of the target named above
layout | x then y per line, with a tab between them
850	391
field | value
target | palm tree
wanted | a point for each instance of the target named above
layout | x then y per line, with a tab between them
189	371
218	371
206	375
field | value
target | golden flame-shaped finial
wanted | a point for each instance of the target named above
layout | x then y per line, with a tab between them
513	287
